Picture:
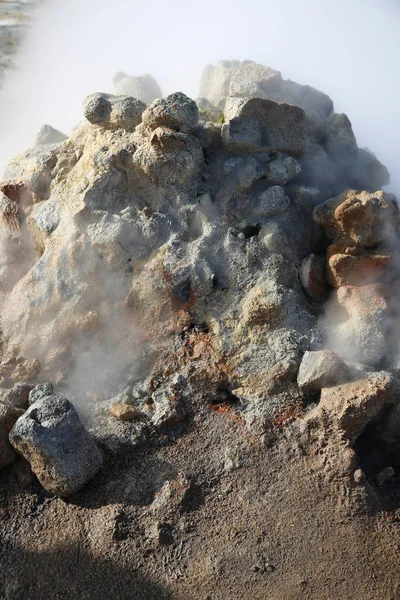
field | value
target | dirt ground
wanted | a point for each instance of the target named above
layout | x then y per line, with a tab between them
236	520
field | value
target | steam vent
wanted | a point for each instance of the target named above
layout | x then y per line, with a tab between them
200	359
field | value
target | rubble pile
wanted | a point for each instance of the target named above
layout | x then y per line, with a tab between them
235	252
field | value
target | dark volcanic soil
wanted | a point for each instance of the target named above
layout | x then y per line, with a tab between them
283	530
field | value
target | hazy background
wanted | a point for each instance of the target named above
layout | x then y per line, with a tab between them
347	48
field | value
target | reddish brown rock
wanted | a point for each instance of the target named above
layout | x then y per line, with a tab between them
312	277
366	219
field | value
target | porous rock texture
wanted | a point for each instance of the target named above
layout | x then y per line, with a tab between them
180	272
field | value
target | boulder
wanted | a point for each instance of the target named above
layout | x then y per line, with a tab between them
256	125
176	111
347	267
320	369
18	395
340	138
51	437
113	112
365	219
144	88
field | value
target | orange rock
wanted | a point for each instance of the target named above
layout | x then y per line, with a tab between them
350	269
123	412
367	219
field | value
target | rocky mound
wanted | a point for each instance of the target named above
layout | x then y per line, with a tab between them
173	260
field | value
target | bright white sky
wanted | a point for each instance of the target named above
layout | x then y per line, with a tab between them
347	48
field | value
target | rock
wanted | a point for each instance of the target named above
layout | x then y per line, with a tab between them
144	88
320	369
365	219
18	396
176	111
272	201
255	125
313	278
51	437
350	407
48	135
109	111
249	79
40	391
340	136
358	222
123	412
346	267
282	170
243	171
233	78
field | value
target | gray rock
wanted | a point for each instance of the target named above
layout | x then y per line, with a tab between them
144	88
176	111
51	437
243	171
48	135
340	136
252	124
18	396
109	111
282	170
40	391
273	201
320	369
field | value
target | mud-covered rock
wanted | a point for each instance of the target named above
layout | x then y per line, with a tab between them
52	438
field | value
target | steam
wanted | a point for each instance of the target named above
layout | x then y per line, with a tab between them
347	49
